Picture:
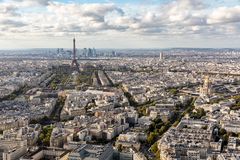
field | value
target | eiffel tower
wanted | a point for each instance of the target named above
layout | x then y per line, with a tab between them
74	60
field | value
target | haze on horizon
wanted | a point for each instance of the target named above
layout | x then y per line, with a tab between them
119	23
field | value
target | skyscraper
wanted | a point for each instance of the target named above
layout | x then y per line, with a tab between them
94	52
90	53
161	56
85	52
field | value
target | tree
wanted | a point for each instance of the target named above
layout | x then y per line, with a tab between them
154	147
173	91
33	121
162	130
120	147
225	139
199	114
202	112
174	116
151	127
44	137
222	132
175	123
204	127
53	85
157	120
152	137
76	137
167	124
238	135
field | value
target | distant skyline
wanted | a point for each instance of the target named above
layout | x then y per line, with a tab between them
119	23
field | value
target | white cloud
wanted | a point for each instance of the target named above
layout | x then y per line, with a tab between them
224	15
12	23
180	17
33	2
8	10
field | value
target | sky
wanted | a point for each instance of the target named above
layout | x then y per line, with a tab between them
119	23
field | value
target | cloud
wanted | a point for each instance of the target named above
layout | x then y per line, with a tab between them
82	17
95	11
224	15
8	10
170	18
12	23
180	17
34	2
